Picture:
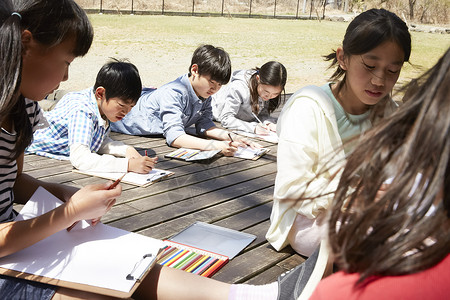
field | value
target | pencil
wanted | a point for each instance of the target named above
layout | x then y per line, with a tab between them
176	258
203	266
166	254
257	119
207	266
178	251
195	265
193	261
213	269
110	188
184	261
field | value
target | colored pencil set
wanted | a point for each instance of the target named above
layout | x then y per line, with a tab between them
191	259
183	153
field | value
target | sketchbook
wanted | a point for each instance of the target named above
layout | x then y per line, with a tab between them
141	180
192	154
203	248
99	259
272	137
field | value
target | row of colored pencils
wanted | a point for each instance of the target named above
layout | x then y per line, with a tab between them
191	260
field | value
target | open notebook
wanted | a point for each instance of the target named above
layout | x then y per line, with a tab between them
100	259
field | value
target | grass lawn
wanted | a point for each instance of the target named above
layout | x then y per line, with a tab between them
161	46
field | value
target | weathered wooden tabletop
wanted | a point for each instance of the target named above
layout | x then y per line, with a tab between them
227	191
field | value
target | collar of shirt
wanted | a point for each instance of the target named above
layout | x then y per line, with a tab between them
193	98
101	122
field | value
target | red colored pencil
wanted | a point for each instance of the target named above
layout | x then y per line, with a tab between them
196	258
214	268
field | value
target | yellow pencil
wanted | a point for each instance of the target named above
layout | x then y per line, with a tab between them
197	263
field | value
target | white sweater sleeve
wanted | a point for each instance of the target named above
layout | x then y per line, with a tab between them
83	159
116	148
236	98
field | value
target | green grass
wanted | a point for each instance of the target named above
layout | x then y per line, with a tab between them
167	42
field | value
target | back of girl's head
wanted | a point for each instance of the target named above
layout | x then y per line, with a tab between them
212	61
121	80
407	229
271	73
369	30
50	23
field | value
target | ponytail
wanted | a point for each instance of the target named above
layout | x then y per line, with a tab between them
12	104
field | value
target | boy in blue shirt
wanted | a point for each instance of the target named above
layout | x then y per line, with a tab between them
80	123
186	101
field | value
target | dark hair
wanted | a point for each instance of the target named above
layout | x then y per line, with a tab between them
120	79
50	22
406	229
212	61
271	73
367	31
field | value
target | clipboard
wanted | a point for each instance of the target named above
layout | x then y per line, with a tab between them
95	264
142	180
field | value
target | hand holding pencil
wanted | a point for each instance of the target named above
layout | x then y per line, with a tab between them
261	128
92	202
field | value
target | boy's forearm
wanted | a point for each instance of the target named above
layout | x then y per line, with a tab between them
192	142
217	133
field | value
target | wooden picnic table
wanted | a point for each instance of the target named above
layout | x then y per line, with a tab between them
226	191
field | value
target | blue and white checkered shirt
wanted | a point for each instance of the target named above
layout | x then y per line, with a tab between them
74	120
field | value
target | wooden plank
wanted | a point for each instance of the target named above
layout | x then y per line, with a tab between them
152	207
271	274
194	183
225	191
243	267
255	207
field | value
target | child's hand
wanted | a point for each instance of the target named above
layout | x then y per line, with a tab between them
142	164
271	126
228	148
262	129
92	202
243	142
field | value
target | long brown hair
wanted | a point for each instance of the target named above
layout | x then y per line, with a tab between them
271	73
406	230
50	22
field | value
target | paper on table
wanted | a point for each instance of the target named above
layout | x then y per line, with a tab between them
272	137
249	153
100	256
131	177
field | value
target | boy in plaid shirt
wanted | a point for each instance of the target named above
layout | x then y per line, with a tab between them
80	123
